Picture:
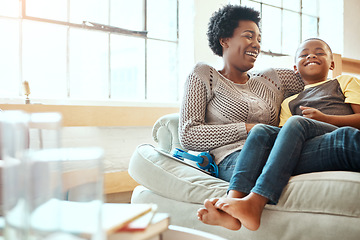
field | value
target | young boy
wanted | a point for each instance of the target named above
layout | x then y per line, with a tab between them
327	100
305	144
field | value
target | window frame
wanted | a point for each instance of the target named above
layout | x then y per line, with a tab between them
301	13
88	25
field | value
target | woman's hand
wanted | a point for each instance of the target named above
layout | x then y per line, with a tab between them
249	126
313	113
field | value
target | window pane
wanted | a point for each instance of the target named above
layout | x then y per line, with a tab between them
271	29
251	4
9	8
9	58
160	23
234	2
89	10
127	14
291	32
44	59
127	68
292	5
89	63
309	27
162	71
276	3
310	7
54	9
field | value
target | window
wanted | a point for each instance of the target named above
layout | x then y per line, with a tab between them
285	23
90	49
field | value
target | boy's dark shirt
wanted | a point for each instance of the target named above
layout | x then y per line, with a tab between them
327	97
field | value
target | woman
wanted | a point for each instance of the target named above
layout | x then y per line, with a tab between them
220	107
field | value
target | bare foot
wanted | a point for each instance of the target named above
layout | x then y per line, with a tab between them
247	210
213	216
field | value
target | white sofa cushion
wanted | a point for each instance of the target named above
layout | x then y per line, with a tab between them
324	192
275	224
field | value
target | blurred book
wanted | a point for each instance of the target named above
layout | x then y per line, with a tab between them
141	223
118	215
159	224
80	217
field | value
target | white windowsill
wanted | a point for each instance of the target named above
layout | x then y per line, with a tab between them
81	102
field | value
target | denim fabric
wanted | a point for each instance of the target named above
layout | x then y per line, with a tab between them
335	151
227	166
272	155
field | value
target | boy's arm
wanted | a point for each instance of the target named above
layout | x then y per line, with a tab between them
285	112
352	120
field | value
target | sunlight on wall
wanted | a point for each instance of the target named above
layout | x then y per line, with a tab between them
266	61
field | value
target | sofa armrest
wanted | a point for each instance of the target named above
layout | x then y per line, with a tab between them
173	179
165	132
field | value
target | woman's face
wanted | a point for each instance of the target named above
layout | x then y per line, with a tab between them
242	49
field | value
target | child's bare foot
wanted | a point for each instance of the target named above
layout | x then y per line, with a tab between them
247	210
213	216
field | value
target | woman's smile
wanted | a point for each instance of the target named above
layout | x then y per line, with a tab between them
253	55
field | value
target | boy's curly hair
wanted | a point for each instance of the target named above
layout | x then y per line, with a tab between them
223	23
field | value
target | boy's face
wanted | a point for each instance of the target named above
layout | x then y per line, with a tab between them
313	60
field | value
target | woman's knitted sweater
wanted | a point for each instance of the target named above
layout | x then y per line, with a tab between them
214	109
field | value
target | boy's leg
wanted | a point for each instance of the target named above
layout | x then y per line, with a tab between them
335	151
278	168
285	155
276	172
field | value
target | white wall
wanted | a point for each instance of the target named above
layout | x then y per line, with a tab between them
339	26
331	26
351	29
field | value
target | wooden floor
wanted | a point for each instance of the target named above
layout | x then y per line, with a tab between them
118	187
123	197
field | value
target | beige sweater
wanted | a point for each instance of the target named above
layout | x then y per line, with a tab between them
214	109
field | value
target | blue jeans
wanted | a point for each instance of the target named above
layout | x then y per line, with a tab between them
227	166
271	155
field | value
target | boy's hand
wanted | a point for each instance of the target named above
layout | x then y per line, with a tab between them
352	120
313	113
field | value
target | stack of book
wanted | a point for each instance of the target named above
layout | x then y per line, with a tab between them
143	223
118	220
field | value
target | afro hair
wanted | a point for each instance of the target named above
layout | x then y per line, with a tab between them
224	22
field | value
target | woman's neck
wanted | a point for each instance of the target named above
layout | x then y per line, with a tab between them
235	76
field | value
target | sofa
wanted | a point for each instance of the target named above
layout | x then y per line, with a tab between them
322	205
